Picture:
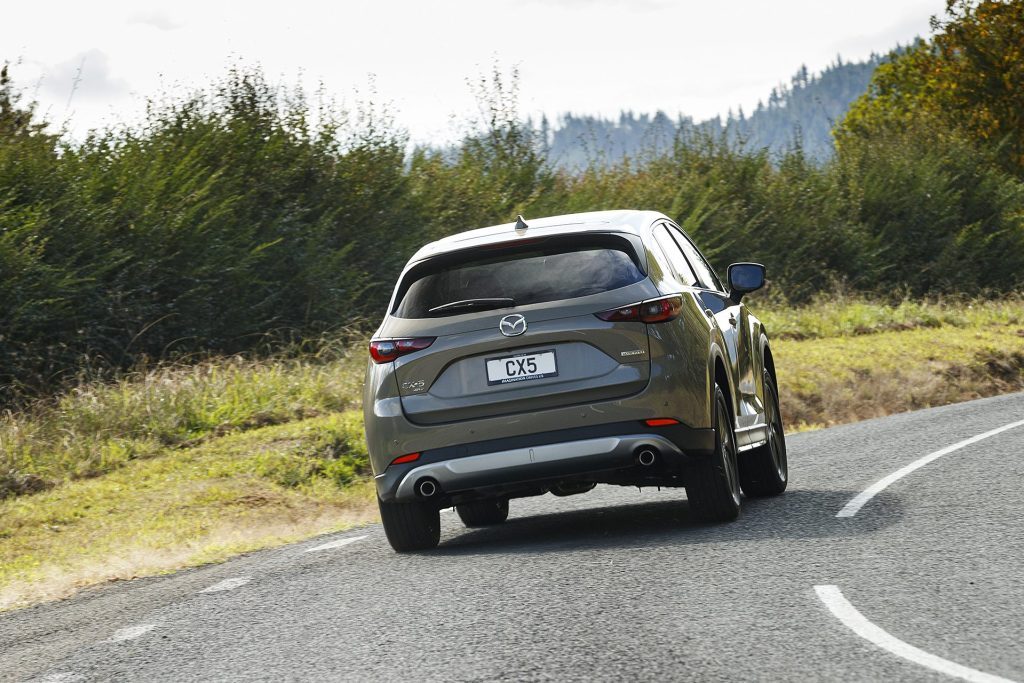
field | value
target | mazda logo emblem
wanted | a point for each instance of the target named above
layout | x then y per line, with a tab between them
512	325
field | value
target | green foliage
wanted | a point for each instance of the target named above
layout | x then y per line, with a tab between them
949	218
982	72
226	216
242	216
934	151
894	98
967	80
498	171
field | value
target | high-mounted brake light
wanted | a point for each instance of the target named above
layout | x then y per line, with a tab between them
651	311
387	350
661	422
402	459
516	243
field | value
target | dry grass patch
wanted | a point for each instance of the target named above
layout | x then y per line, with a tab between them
187	507
98	427
844	379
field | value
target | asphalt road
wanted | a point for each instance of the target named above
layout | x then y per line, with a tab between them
614	584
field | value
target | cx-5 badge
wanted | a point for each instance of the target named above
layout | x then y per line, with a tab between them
512	325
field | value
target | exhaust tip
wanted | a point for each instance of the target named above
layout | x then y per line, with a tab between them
646	457
427	488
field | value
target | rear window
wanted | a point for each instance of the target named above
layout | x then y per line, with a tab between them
548	270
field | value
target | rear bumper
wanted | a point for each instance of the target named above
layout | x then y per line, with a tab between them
599	453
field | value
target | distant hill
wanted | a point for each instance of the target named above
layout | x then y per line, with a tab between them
804	111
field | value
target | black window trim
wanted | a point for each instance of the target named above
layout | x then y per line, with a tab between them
668	258
718	281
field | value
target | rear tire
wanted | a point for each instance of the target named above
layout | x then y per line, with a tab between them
483	512
410	526
713	488
764	471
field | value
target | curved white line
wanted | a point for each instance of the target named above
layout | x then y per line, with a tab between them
858	501
856	622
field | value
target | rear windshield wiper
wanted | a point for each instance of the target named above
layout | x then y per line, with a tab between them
499	302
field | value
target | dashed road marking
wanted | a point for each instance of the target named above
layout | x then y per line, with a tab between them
61	677
859	624
858	501
227	584
335	544
131	632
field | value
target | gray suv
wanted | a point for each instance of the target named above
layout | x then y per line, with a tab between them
551	355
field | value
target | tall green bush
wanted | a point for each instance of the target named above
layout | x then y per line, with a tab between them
246	213
226	216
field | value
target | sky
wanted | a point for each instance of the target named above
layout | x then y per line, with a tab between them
95	64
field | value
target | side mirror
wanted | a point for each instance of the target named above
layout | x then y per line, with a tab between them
743	278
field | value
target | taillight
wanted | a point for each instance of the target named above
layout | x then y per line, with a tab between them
386	350
624	314
651	311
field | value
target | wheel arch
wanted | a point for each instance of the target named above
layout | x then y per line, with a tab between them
767	358
718	373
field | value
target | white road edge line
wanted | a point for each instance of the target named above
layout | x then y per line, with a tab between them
335	544
858	501
131	632
858	623
227	584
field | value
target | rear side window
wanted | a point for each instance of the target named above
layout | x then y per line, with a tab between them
704	270
548	270
675	256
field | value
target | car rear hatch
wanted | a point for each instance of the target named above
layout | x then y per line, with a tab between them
531	341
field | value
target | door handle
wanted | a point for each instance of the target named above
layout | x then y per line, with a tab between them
732	319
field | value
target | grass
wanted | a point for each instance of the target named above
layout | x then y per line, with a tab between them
830	381
845	316
97	427
191	506
843	359
177	466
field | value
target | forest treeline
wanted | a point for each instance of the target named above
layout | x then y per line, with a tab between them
246	212
799	114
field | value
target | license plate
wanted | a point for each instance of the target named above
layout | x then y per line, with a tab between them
522	367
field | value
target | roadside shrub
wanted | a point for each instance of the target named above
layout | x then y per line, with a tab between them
244	218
